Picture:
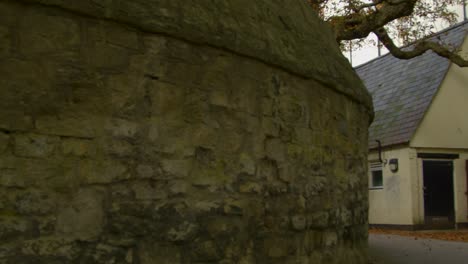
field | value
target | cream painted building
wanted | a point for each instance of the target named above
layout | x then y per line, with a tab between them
418	142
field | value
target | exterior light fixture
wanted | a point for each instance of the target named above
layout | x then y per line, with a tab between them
393	164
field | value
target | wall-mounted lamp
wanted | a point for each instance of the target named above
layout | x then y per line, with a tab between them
393	165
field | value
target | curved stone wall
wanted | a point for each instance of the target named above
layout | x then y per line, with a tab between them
122	141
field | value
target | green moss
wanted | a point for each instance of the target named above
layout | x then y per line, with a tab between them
294	151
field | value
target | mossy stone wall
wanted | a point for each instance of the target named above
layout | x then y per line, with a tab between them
139	132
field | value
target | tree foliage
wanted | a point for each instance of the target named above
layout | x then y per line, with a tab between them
408	21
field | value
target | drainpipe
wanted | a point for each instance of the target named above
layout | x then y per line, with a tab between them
464	10
379	144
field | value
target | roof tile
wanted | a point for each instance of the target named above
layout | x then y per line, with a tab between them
402	90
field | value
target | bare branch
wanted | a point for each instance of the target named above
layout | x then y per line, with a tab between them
418	49
359	25
368	5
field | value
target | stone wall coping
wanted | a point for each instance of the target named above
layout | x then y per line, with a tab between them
276	32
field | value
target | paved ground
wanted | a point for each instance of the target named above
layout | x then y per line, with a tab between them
393	249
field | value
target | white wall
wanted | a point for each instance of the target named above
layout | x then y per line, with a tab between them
401	200
461	198
444	129
393	204
445	124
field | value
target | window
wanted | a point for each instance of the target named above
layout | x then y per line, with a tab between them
376	179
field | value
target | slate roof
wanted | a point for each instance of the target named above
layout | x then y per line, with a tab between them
402	90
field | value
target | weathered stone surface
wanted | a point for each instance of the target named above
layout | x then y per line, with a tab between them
4	142
261	30
5	40
12	227
67	125
34	145
77	147
83	218
51	247
36	202
103	171
153	253
163	132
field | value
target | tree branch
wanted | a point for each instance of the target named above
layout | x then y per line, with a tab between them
368	5
418	49
359	25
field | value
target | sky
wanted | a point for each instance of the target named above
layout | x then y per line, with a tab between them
366	54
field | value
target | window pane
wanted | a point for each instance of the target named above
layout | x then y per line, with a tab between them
377	179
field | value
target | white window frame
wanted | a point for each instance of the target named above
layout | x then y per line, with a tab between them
373	167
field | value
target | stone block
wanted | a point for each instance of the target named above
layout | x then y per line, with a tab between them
14	227
205	251
204	136
290	110
330	238
267	105
103	171
77	147
219	98
231	141
205	206
247	164
145	171
150	253
5	42
4	142
304	135
299	222
51	247
36	202
42	33
233	207
318	220
121	128
251	187
196	111
277	247
294	151
148	191
275	149
23	93
270	127
72	125
178	168
153	131
15	121
46	225
182	232
167	99
118	148
83	218
121	36
35	145
179	187
213	177
26	172
267	170
315	186
108	57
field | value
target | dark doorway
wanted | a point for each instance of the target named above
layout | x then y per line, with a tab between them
439	207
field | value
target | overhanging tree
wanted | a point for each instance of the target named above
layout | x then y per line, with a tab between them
406	20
